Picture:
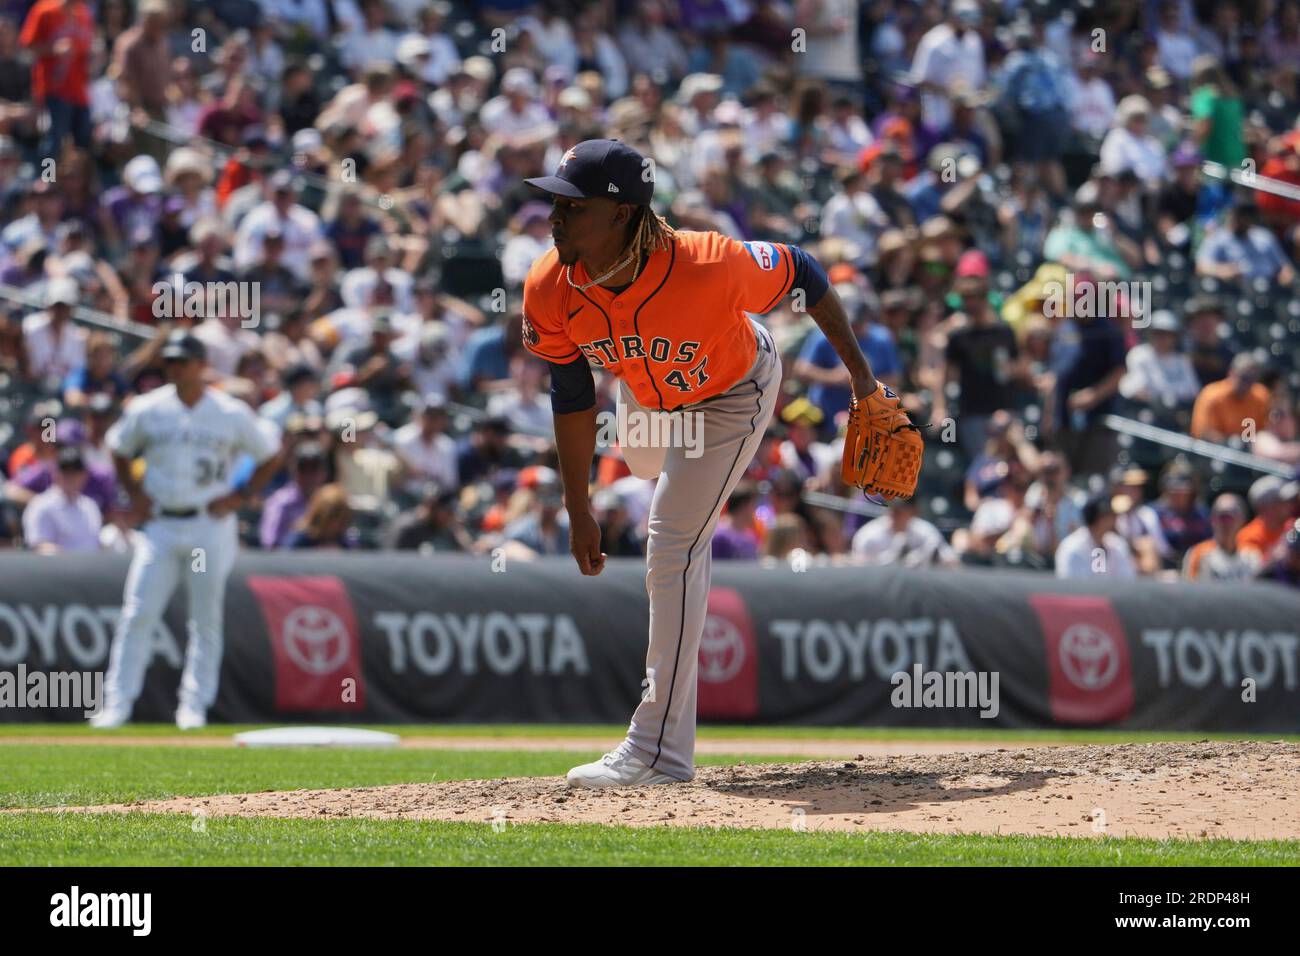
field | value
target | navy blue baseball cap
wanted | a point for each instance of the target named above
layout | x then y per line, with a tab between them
601	167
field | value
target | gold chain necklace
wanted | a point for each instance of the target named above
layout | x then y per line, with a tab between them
614	271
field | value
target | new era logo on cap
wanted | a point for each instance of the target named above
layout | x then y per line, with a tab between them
593	162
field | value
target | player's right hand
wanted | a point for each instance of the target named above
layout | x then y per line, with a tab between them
141	507
584	542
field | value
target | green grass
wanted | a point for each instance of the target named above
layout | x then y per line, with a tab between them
34	839
76	775
612	733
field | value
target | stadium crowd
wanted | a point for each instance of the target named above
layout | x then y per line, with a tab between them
976	177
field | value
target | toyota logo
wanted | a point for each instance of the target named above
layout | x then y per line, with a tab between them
316	639
1089	656
722	650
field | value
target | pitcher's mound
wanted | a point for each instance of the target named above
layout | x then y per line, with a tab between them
1237	790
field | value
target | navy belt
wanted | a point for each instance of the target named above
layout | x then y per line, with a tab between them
179	512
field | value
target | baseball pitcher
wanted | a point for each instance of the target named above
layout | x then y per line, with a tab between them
189	436
665	312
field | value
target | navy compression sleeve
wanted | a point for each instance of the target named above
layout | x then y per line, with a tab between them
573	387
809	276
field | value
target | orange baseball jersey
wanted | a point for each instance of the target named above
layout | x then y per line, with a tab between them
678	335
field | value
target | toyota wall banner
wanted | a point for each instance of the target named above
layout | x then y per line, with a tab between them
403	638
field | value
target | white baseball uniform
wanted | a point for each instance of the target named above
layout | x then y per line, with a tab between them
189	453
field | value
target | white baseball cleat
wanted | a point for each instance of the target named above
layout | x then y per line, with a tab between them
187	718
109	718
618	768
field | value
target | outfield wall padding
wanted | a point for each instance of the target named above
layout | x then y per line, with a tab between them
389	638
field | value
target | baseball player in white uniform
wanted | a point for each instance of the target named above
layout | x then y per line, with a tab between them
190	436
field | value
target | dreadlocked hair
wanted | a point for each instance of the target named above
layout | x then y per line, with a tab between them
650	232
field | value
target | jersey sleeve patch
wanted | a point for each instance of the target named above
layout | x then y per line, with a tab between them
766	255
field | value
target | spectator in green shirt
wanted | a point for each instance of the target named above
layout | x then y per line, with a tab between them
1218	122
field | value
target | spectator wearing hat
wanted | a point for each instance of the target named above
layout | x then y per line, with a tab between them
426	449
1091	103
821	369
54	345
1033	96
1130	147
948	57
901	538
1176	47
544	528
1234	407
299	227
619	533
1284	568
1218	558
284	508
142	65
1279	440
370	42
280	290
351	229
524	401
1218	116
1095	548
433	526
378	369
1178	202
1159	374
853	214
380	263
1184	521
100	485
1210	354
438	58
1052	509
1274	503
800	452
62	518
60	35
1239	248
1004	444
1086	387
530	237
516	111
36	233
205	261
981	356
1137	522
188	173
993	529
1085	243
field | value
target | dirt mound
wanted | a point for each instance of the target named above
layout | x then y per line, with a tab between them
1238	790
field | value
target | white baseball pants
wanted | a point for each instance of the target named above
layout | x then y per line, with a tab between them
201	551
688	500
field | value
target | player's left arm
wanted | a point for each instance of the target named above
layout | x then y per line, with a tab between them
260	438
828	312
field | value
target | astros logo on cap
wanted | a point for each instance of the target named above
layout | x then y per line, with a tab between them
567	156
